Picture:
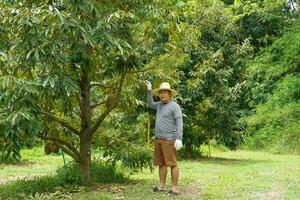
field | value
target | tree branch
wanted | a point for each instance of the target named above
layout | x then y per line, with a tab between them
97	104
150	68
108	110
93	84
79	100
100	120
70	150
61	122
70	153
142	70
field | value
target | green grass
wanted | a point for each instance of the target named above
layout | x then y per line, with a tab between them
227	175
35	163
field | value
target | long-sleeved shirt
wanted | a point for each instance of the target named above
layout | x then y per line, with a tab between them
169	123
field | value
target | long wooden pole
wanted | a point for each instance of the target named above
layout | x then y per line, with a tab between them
149	126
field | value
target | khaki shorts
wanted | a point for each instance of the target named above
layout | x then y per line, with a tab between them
164	152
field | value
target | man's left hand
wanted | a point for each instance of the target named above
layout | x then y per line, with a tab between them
178	144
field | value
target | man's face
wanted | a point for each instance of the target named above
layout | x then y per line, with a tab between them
165	96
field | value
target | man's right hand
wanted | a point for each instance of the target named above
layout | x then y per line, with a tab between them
149	85
178	144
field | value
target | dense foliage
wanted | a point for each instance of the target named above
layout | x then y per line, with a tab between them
273	85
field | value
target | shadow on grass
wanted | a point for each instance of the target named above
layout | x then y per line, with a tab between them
228	161
66	180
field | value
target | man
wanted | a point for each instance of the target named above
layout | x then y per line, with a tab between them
168	134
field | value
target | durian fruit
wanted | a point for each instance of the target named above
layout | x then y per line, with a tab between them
53	132
47	148
110	100
143	86
54	148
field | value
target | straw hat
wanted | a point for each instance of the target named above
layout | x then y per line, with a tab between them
164	86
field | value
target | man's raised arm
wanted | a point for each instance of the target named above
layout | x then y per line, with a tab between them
150	101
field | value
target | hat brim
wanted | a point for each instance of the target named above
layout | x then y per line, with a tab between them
156	91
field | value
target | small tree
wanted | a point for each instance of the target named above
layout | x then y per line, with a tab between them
67	62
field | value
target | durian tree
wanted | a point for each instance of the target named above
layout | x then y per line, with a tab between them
65	65
211	80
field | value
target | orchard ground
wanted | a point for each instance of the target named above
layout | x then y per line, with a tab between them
226	175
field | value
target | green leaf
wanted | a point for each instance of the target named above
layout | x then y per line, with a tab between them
14	118
29	53
121	49
52	81
37	54
60	15
3	56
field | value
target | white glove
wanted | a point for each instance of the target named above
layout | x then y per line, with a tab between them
178	144
149	85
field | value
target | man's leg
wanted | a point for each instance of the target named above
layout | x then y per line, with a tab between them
159	161
175	175
169	153
163	170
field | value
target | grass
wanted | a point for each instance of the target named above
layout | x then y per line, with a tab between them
227	175
35	163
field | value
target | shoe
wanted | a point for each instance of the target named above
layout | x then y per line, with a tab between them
156	189
171	192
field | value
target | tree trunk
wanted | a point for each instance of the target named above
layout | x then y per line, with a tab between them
85	133
209	153
188	151
85	159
